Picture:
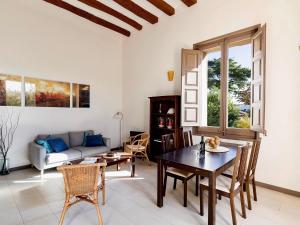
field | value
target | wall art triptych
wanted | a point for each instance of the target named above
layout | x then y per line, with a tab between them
42	93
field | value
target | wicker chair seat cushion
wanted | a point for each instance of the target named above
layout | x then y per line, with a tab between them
179	172
136	147
223	183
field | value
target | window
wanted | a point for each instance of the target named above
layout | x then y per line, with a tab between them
223	82
239	84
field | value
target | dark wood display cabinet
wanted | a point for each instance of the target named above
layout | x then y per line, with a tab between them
164	119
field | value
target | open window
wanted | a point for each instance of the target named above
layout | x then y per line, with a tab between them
223	84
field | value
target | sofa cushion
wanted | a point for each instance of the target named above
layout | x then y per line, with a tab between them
64	136
85	134
43	142
68	155
77	137
57	144
41	137
94	140
91	151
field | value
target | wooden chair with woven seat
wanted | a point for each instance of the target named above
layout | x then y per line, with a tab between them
250	174
168	143
187	139
138	146
81	184
230	187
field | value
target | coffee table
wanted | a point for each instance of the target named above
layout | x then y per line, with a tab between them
123	157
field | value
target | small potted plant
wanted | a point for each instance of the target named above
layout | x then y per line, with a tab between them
8	127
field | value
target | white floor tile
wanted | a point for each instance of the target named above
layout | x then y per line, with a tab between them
26	199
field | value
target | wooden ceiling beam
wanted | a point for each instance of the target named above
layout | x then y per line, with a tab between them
104	8
189	2
88	16
163	6
138	10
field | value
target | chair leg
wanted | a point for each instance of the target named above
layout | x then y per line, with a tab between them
185	194
63	213
197	185
99	214
248	195
174	184
220	197
243	203
254	189
232	207
165	184
42	174
103	195
201	201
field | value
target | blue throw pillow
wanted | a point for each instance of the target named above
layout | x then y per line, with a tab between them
58	144
85	134
94	140
45	144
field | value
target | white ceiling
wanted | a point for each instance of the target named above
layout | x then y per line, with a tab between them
176	4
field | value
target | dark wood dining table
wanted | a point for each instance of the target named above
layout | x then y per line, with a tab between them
188	159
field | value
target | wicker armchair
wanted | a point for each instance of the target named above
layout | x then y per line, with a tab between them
81	184
138	145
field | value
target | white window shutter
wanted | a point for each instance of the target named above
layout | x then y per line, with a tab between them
190	87
258	78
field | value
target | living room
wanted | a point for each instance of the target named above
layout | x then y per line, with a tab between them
47	42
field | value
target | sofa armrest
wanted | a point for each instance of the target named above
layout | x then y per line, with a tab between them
107	142
37	155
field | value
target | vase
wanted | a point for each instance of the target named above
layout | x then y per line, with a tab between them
4	166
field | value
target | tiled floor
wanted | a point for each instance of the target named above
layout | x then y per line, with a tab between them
25	199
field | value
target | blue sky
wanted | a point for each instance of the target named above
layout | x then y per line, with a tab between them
241	54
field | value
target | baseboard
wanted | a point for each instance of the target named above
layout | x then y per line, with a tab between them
20	168
279	189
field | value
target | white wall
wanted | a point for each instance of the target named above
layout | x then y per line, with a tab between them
40	40
148	54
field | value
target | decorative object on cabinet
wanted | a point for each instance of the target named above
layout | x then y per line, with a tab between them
164	119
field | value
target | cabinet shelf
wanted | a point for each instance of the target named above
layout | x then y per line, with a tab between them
163	114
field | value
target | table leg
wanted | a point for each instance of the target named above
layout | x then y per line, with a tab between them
160	183
132	166
212	200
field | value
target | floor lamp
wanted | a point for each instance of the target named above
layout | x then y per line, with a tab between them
119	116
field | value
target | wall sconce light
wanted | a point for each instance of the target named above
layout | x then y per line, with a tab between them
170	75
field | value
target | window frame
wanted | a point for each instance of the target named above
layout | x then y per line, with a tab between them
224	42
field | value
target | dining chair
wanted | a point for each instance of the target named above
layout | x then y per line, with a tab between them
138	146
230	187
187	138
81	184
250	174
168	143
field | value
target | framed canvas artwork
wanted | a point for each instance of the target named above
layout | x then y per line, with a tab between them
10	90
81	95
46	93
